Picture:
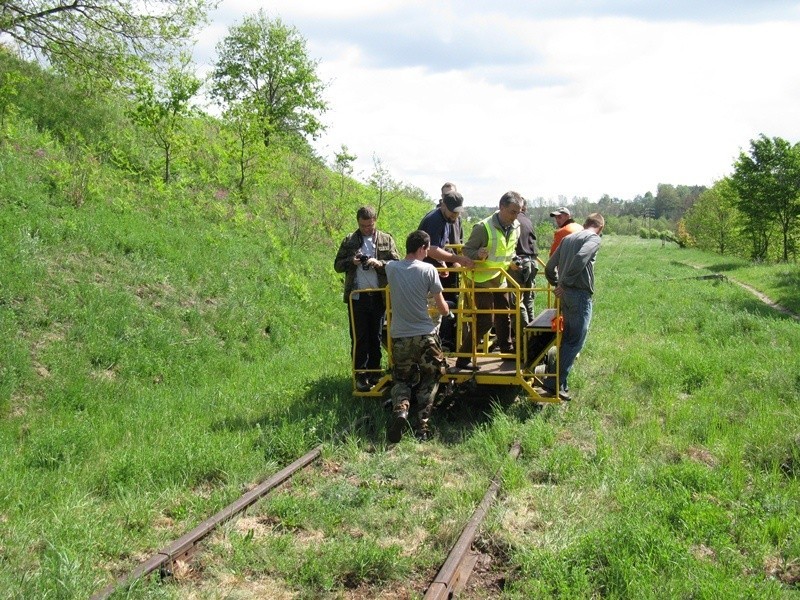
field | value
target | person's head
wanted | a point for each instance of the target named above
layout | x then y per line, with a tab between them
452	204
448	187
510	207
416	240
561	215
524	207
366	216
595	221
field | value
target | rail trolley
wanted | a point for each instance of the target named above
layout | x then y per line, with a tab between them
535	346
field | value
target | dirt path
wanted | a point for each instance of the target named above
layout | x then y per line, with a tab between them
764	298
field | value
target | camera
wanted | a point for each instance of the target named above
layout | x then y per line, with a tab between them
364	259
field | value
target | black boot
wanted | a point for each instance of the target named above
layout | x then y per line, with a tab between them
398	426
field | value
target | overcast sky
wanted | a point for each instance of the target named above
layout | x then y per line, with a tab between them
572	98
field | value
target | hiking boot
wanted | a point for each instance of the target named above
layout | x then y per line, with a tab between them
398	426
363	384
548	393
424	433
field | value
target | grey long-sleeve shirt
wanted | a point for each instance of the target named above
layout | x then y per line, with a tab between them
572	264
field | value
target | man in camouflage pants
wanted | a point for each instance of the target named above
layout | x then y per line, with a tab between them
416	350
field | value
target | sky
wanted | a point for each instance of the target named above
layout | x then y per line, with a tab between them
555	99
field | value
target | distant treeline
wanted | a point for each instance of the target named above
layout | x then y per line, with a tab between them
752	213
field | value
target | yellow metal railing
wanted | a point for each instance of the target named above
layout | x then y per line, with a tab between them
524	373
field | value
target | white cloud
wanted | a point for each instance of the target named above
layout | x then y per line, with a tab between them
577	106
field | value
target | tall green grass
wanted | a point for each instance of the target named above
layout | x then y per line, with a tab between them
161	351
672	474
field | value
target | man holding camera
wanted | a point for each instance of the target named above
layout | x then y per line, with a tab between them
362	257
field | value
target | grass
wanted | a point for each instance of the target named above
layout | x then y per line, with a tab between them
164	348
157	360
779	281
673	473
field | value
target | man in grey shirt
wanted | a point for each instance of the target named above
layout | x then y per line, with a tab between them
571	270
417	357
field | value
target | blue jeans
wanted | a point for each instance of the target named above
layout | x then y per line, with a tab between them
576	308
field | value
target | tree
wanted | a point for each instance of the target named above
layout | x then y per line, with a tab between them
714	221
768	183
105	38
162	107
381	181
666	201
9	90
343	165
263	66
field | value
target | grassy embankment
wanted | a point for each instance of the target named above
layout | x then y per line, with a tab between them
673	473
161	349
157	361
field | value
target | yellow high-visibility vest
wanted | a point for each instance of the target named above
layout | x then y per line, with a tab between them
501	250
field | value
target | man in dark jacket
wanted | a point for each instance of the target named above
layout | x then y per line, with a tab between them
527	252
443	226
362	257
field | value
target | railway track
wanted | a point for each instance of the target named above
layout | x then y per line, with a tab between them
164	560
448	583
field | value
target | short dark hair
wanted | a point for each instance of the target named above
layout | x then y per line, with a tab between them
366	212
416	240
511	198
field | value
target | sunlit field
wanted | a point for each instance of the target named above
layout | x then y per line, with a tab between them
144	390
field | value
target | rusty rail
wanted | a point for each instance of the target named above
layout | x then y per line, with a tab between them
184	546
455	571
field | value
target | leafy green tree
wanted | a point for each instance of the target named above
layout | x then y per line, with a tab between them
714	220
264	68
239	120
104	38
383	185
667	201
162	107
9	90
768	183
343	165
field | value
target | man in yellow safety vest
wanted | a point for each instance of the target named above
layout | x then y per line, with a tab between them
492	241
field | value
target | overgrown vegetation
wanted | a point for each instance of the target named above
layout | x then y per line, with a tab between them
162	347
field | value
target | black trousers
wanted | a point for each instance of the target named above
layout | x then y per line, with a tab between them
365	330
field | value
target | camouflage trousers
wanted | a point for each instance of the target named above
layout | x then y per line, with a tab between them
418	365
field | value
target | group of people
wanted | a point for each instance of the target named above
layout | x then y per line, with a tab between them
505	240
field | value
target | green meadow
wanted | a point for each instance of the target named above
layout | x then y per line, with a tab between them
157	359
165	347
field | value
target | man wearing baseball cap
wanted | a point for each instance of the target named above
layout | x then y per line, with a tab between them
440	224
565	226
